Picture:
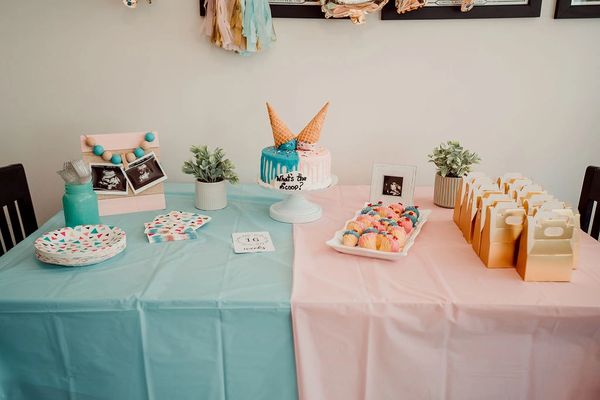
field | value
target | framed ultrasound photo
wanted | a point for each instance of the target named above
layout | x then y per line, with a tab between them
145	173
109	179
131	186
393	183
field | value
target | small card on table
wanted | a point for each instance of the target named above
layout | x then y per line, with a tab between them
252	242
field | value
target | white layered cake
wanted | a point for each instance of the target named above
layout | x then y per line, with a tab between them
296	163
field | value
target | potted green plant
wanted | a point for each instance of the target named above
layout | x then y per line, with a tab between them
211	170
452	162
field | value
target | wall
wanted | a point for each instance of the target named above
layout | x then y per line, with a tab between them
524	93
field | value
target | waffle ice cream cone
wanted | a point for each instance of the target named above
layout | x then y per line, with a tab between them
281	133
312	131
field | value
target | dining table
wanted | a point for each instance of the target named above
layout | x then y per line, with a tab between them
193	319
437	324
176	320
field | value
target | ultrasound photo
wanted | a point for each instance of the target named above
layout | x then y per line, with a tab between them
144	173
109	179
392	185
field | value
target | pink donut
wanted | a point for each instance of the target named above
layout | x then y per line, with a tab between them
378	225
397	207
365	219
386	212
388	244
356	226
368	241
406	223
399	234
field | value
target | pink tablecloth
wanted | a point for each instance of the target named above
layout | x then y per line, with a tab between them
437	324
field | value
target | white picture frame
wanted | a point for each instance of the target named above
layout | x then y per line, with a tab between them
392	183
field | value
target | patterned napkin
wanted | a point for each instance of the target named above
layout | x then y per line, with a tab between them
176	225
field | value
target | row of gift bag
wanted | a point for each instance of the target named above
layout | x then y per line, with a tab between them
512	222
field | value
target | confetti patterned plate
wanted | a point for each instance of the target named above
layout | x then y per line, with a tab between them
81	245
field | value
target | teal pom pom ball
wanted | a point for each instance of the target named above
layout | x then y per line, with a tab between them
149	137
98	150
139	152
116	159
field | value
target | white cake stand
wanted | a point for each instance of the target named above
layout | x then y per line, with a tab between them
295	208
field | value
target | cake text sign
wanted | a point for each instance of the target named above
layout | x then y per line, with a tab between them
292	181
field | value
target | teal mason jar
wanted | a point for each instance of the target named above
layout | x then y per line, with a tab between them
80	205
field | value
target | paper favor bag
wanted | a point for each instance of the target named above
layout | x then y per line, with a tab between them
546	249
564	209
460	194
532	203
514	184
500	235
508	176
468	222
458	202
486	200
527	192
470	184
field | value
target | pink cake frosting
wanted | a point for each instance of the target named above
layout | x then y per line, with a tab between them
315	164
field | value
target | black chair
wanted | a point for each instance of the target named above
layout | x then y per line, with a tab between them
590	193
15	197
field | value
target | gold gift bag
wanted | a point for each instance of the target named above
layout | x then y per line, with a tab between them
514	184
487	200
532	203
564	209
526	192
546	249
502	180
500	235
458	201
470	184
471	210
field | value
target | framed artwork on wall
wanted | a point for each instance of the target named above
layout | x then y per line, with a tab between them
288	9
451	9
577	9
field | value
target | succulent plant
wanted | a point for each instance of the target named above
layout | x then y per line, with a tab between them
452	160
210	167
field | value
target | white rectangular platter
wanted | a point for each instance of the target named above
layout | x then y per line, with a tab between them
336	241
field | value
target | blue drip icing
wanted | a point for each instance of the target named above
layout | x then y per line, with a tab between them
273	159
290	145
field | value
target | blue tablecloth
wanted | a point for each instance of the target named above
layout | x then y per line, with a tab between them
177	320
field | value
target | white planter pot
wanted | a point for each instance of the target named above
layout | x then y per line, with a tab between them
211	196
444	191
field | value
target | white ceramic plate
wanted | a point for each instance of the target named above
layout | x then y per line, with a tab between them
337	244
